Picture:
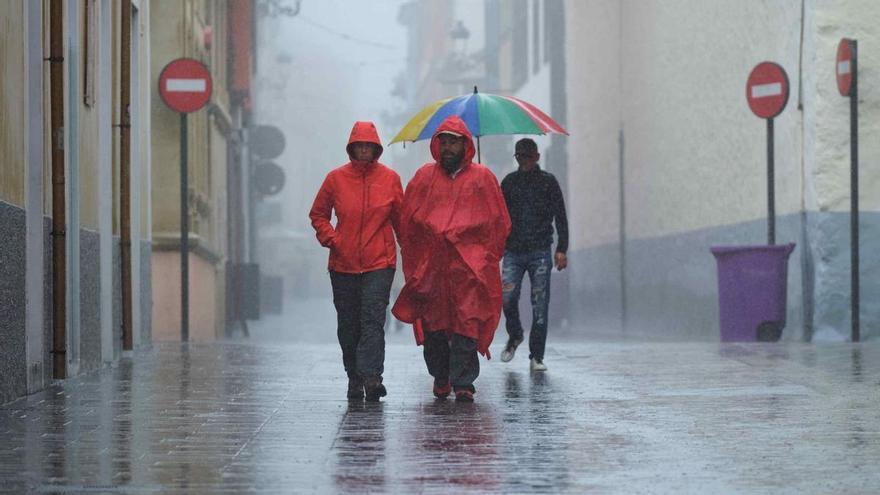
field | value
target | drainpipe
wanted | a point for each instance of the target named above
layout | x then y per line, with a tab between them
125	173
59	215
244	225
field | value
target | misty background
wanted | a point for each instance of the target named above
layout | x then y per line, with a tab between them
324	65
333	63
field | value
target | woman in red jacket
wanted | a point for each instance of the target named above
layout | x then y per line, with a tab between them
366	196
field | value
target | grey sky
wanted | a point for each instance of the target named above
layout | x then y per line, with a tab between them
361	38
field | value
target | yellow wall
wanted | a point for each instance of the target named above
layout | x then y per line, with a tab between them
143	137
47	122
12	115
89	170
177	31
115	115
204	319
166	40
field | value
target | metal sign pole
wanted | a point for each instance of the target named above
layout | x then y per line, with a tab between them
185	86
767	91
854	192
184	232
771	186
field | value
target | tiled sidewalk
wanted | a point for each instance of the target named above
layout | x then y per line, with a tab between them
607	418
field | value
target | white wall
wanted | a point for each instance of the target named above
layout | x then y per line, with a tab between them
826	131
695	154
672	76
827	165
593	52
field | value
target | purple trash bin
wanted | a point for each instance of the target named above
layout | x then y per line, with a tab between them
752	291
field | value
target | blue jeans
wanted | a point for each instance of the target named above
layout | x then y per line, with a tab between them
539	264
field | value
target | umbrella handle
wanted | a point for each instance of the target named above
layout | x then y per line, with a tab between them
479	160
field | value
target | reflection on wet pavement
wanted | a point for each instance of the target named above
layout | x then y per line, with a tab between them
607	418
360	448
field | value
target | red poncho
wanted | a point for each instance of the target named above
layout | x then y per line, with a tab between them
452	238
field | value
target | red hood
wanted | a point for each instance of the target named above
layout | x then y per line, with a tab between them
364	132
455	124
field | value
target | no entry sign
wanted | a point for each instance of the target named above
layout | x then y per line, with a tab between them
767	90
185	85
845	66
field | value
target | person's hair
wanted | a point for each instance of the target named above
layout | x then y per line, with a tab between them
528	145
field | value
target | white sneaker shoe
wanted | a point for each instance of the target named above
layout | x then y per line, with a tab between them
537	365
510	349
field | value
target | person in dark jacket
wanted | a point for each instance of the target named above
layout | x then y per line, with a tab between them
534	201
366	196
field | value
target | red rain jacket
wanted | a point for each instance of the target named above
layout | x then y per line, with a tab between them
366	197
452	235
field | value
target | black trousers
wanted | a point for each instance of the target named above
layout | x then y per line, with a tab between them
361	300
452	358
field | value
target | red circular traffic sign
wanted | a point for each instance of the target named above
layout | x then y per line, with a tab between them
185	85
767	90
845	66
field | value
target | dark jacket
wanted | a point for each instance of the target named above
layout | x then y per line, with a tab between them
534	201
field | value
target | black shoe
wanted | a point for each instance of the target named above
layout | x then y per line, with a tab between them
510	348
464	396
374	389
355	389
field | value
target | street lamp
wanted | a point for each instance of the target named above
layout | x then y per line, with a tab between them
459	34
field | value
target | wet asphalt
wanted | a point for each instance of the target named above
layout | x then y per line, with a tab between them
269	415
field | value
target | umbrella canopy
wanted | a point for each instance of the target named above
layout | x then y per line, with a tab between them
484	114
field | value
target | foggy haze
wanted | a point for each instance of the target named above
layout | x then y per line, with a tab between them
332	64
339	61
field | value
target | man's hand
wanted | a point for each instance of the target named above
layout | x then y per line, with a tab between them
561	261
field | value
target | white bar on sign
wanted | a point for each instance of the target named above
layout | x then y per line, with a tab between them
185	85
843	67
765	90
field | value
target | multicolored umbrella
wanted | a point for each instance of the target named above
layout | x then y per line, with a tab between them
484	114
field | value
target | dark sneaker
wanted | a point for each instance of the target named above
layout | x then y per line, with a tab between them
355	389
510	348
373	390
464	396
442	392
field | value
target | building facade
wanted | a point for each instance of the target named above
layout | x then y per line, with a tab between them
74	188
664	159
667	160
219	34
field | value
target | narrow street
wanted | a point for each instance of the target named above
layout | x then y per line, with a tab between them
269	415
201	199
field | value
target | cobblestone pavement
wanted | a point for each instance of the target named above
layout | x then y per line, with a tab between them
271	417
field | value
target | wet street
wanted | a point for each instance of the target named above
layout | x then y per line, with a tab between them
270	415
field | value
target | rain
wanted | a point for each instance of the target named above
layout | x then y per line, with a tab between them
609	246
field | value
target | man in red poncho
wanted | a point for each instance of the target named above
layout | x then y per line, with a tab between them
454	224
